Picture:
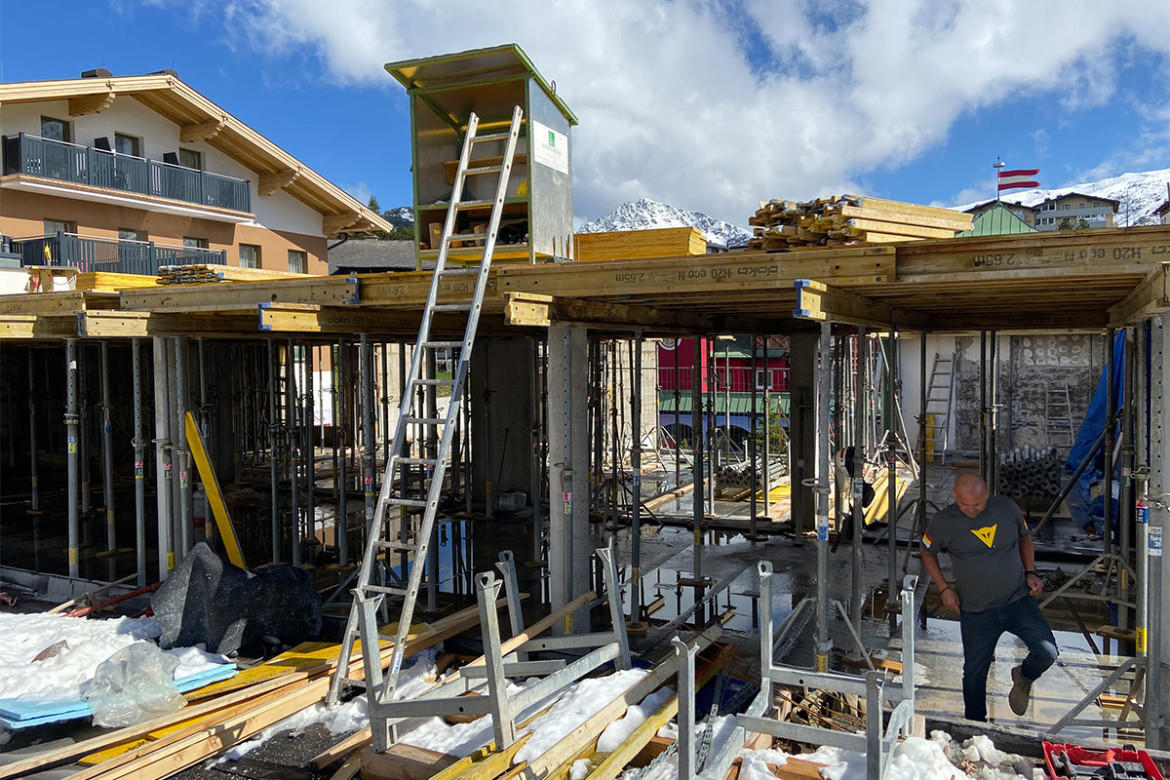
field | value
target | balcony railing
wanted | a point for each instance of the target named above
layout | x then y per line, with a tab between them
36	156
88	253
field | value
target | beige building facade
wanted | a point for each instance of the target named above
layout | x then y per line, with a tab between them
126	174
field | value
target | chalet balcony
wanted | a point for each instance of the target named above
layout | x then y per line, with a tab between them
35	156
109	255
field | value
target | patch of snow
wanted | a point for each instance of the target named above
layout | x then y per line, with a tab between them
619	731
646	214
580	769
577	705
194	660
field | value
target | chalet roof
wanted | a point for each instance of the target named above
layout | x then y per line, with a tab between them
199	119
998	221
1162	210
362	255
1014	204
1074	194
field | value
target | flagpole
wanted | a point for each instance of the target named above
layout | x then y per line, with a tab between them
997	166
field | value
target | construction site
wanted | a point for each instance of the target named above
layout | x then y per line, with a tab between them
500	516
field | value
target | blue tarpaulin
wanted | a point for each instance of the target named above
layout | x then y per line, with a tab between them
1079	499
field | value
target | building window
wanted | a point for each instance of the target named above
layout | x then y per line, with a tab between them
129	234
56	129
127	144
761	376
298	261
1066	206
249	256
194	243
55	226
189	158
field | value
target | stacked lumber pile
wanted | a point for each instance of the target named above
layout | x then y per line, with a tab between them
205	273
631	244
849	219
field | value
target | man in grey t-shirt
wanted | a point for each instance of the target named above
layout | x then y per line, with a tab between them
993	561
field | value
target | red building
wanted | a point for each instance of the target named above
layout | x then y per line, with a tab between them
727	370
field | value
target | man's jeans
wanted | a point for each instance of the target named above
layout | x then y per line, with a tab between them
981	632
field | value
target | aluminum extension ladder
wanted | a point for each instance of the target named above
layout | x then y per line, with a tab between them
369	593
939	400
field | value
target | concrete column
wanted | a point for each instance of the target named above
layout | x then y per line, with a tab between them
803	404
568	465
501	401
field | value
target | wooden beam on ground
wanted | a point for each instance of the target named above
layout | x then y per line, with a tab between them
201	131
403	762
821	303
1150	297
91	104
27	326
270	183
277	318
322	291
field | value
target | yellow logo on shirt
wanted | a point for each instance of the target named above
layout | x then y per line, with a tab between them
986	535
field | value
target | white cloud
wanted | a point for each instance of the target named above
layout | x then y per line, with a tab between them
359	190
713	106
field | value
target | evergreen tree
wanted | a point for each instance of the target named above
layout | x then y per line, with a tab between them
373	205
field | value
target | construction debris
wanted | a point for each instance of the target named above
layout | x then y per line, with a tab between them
1026	472
210	273
849	219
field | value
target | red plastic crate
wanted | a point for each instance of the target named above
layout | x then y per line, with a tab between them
1092	758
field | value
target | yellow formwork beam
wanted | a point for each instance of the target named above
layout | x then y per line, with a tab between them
223	521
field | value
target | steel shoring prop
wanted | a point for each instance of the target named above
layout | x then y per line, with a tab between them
273	457
821	485
892	475
636	472
186	526
139	463
71	435
35	495
108	463
858	478
294	459
753	531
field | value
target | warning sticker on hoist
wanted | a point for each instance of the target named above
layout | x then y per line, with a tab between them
549	147
823	529
1156	541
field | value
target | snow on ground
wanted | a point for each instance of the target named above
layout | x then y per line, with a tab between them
71	649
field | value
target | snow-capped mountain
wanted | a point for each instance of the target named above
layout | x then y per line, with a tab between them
646	214
1139	194
403	216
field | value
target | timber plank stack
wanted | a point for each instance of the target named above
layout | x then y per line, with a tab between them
210	273
630	244
844	220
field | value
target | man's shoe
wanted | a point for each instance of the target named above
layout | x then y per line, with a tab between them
1021	692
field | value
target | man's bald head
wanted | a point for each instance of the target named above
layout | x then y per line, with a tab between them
970	493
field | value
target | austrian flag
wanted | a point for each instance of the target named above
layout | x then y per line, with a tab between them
1021	179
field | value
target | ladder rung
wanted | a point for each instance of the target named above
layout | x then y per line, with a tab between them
405	501
348	681
417	462
427	420
473	204
423	381
488	169
452	307
490	137
399	546
460	271
441	344
467	237
383	589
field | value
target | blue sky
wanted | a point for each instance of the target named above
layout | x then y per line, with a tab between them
705	105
